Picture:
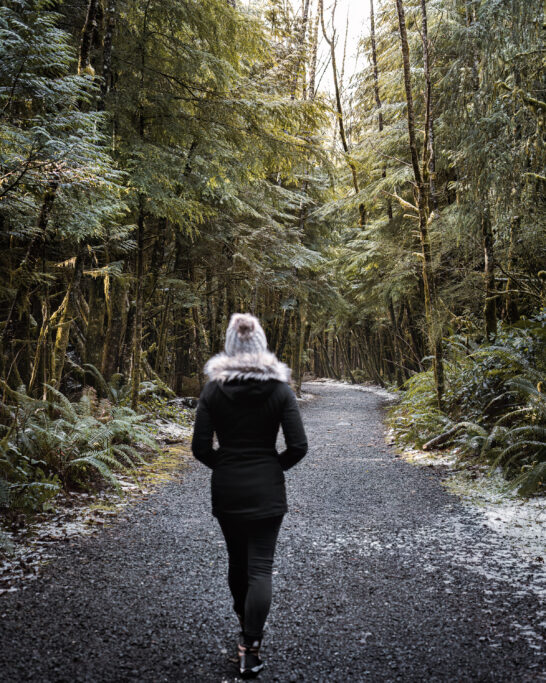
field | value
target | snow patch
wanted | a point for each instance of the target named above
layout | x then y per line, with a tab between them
454	542
171	432
305	397
368	388
521	522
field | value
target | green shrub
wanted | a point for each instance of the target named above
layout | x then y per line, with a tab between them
56	444
416	417
495	406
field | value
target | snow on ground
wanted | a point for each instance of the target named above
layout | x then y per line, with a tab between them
371	388
304	397
171	432
29	549
521	521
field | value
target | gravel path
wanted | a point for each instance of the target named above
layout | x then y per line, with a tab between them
380	576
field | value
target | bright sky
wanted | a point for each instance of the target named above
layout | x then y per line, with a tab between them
357	12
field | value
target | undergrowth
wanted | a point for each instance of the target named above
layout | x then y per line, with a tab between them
56	444
494	405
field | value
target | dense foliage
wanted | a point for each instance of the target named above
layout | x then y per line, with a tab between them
464	209
59	444
495	406
164	164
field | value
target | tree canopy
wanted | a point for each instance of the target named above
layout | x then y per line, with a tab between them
165	164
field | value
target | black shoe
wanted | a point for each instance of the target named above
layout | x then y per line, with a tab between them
250	663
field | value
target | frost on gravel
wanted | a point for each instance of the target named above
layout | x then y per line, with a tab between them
443	549
502	558
171	432
521	522
27	552
369	388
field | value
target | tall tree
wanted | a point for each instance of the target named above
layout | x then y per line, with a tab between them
331	41
421	176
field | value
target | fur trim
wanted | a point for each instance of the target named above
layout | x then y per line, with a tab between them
262	366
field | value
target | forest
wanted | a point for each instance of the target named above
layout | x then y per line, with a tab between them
164	164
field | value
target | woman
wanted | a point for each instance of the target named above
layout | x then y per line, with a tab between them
246	400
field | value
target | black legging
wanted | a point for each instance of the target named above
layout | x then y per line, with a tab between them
251	547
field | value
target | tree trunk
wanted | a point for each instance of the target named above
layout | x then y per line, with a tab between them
137	335
310	90
297	352
160	359
375	69
510	311
317	366
139	269
300	48
327	362
340	119
209	318
230	296
347	360
87	35
284	332
218	319
430	162
305	345
421	181
490	304
107	53
69	308
199	345
367	360
377	96
115	291
397	351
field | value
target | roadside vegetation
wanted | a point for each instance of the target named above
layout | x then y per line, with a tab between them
495	405
58	445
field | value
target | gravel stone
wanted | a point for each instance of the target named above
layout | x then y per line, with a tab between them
380	575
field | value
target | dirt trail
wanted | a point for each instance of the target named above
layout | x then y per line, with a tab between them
381	576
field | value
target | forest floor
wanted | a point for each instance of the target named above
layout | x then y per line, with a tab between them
381	575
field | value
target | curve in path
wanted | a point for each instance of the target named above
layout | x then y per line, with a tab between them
380	576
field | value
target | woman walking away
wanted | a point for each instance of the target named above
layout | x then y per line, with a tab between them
246	400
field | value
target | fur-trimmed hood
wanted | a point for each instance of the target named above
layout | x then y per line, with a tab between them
262	366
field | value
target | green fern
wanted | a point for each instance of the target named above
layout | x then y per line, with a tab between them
59	443
531	480
495	409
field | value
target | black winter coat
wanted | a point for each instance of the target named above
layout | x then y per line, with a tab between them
247	471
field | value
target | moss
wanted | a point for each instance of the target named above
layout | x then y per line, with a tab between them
169	464
103	506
